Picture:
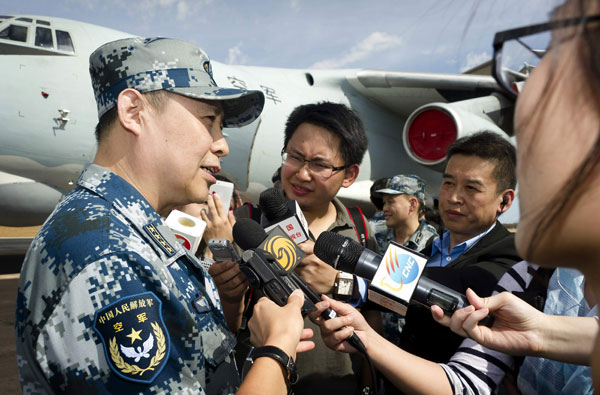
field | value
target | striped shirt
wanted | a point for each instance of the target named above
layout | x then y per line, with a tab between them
475	369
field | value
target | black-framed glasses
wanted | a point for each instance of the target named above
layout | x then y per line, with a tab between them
316	167
518	51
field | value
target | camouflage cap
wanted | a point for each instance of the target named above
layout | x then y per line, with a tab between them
150	64
408	184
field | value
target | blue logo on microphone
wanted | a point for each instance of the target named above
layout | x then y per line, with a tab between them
402	269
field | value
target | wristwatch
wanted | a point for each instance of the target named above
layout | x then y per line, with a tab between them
277	354
343	286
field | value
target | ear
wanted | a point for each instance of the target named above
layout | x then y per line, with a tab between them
507	199
414	204
129	106
350	175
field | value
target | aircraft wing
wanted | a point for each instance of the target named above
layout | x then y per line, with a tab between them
438	108
404	92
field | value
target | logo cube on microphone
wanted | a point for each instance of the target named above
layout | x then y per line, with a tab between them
396	278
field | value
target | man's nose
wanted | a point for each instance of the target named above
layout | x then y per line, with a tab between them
303	172
220	147
456	197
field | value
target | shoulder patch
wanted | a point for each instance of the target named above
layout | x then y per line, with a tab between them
159	240
134	335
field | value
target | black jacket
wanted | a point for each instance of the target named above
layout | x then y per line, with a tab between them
480	269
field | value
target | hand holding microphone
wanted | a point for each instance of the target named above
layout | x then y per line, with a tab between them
277	211
396	278
276	280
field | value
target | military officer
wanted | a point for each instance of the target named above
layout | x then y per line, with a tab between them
108	301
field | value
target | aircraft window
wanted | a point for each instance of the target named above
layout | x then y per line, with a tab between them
5	16
63	41
43	38
25	19
15	33
45	23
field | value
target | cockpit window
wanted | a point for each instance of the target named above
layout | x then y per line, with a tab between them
43	37
63	41
15	33
40	22
25	19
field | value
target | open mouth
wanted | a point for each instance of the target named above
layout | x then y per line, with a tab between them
211	170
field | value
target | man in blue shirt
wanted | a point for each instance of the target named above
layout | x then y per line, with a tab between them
476	250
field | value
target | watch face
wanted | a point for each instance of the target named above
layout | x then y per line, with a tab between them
345	286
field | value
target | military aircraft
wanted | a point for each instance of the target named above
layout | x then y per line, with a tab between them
48	115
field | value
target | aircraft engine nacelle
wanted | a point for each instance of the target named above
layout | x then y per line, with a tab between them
431	128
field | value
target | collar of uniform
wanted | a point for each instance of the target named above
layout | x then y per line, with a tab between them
423	226
130	203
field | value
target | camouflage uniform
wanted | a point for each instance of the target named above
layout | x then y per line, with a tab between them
108	300
103	271
416	242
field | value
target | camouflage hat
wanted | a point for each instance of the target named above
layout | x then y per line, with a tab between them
150	64
408	184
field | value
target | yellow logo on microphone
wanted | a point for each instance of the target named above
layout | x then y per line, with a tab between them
284	251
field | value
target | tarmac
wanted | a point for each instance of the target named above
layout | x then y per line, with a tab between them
13	245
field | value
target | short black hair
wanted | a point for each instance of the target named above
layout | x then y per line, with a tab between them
336	118
157	99
376	197
493	147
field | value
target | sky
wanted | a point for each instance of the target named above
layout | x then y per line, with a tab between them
447	36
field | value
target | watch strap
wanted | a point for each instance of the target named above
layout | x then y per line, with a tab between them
277	354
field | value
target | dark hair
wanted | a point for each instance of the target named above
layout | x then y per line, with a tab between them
157	100
376	197
490	146
588	56
336	118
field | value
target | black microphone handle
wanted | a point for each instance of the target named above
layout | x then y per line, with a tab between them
429	293
328	314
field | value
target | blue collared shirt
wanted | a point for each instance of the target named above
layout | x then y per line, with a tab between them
439	250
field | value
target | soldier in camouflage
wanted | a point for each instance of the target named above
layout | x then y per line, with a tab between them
108	300
403	196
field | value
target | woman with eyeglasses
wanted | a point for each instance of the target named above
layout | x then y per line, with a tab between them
557	125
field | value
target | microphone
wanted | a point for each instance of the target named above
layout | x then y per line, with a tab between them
276	281
396	277
268	263
187	229
277	211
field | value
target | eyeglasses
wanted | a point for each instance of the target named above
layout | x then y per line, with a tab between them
518	51
316	167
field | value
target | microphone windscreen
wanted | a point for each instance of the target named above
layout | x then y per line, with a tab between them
248	234
273	204
328	247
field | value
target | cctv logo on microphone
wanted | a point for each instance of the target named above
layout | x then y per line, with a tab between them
283	249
